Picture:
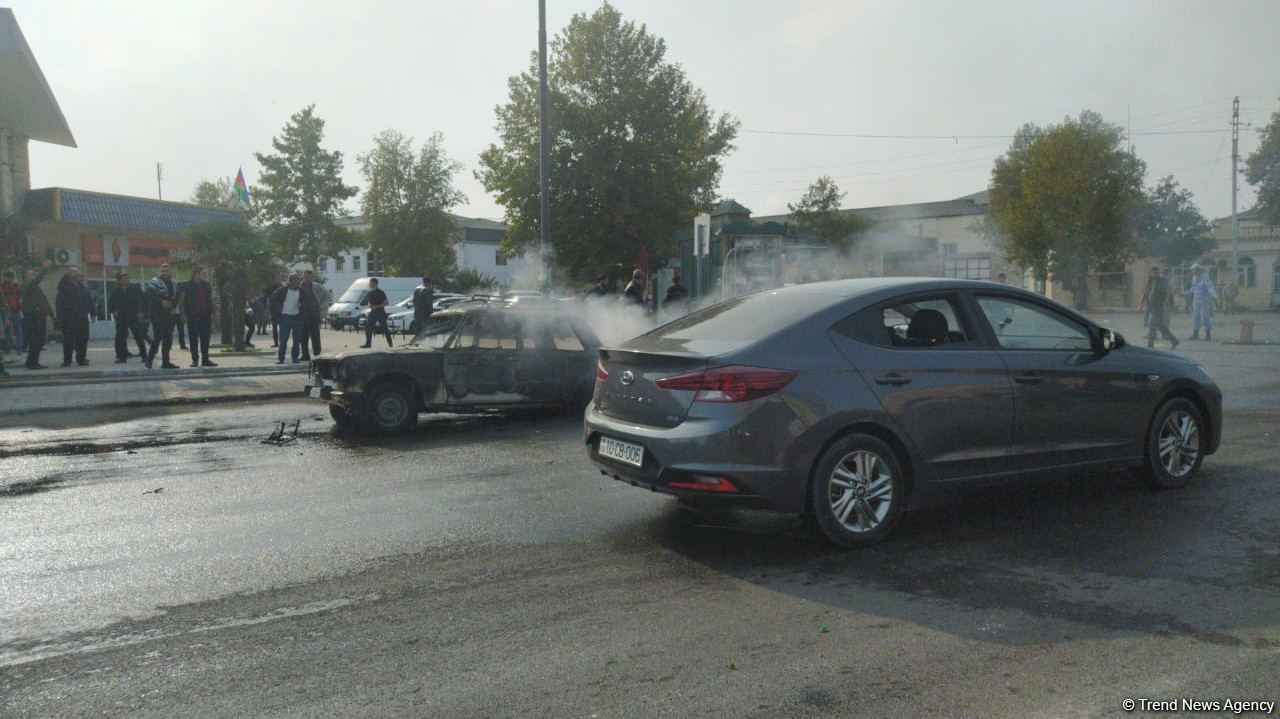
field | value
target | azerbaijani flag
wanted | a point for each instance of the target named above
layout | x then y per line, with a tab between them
241	189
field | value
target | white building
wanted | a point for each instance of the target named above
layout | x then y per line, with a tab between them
478	247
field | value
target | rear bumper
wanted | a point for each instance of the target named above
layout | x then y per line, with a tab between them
719	447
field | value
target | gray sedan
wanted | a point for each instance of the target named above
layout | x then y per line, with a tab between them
841	401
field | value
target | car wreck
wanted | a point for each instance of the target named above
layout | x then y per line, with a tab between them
482	355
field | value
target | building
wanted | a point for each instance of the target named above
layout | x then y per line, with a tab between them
478	247
940	239
105	234
1258	263
28	111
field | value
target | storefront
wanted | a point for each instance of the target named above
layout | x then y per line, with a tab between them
105	234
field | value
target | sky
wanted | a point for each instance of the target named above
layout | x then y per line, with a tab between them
200	86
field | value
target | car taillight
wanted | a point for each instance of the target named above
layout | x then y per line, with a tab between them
729	384
705	483
602	374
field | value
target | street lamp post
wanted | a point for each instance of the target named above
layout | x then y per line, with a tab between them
544	169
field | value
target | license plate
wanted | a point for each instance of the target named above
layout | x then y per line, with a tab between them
625	452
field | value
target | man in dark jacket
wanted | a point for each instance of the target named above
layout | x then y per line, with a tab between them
162	297
195	306
311	315
273	308
126	303
634	292
35	315
377	314
75	308
424	300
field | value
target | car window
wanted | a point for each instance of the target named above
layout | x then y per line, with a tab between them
436	333
1025	325
565	338
496	332
923	323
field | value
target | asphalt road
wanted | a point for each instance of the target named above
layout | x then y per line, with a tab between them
169	564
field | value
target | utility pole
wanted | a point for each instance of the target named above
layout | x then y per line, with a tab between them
1235	181
159	176
544	169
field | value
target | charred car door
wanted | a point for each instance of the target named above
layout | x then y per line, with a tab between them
480	364
551	358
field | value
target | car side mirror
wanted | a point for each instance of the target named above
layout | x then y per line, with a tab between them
1106	340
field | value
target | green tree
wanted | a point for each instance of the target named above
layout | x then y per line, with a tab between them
635	151
818	213
1064	199
1170	226
215	193
407	201
240	258
302	193
1262	170
467	280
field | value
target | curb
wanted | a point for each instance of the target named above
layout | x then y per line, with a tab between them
174	401
25	380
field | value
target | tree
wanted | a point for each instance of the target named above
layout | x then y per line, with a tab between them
215	193
302	192
467	280
1170	226
239	257
1063	200
818	213
635	152
407	202
1262	170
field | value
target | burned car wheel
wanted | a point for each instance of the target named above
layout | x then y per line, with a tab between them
390	408
856	491
343	418
1175	445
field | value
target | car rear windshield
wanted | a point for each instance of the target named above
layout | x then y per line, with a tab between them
744	319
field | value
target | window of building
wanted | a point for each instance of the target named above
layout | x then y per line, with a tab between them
499	258
355	263
949	249
968	268
1246	272
1275	278
339	264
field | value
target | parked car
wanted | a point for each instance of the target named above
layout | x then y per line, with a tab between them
400	317
347	310
476	356
842	401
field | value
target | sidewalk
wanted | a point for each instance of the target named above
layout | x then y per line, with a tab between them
253	374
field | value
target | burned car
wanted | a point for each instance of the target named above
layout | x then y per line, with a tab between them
482	355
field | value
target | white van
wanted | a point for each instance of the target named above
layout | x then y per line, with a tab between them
346	309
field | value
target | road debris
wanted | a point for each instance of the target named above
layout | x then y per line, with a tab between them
283	434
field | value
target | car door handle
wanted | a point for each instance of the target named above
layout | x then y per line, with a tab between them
1029	378
893	378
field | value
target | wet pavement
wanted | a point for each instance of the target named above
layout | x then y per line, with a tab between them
163	561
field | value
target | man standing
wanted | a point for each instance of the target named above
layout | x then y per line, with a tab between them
126	302
273	308
195	307
424	300
11	297
162	304
634	292
676	296
75	307
377	314
291	300
1157	300
1202	295
311	315
35	315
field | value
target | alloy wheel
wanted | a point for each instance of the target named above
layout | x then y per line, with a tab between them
1179	443
860	490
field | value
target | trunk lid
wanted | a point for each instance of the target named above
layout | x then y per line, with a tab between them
630	394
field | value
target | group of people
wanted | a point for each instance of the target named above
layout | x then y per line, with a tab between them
295	307
1158	300
635	295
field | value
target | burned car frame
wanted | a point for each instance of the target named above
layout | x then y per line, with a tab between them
483	355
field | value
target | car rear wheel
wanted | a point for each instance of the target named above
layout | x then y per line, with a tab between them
856	491
1175	445
390	408
343	418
